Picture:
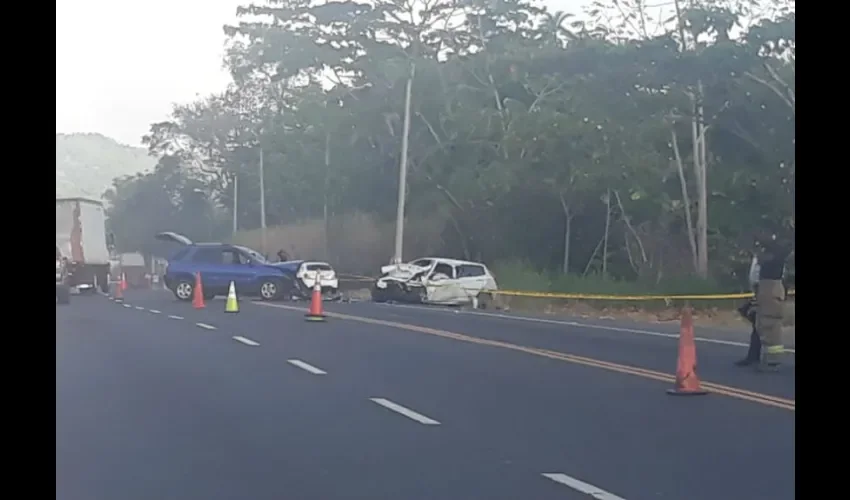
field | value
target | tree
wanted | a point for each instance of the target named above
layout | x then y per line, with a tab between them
625	143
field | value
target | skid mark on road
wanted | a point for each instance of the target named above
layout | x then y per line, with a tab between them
755	397
581	486
407	412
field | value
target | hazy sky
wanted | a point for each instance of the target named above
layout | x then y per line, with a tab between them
119	67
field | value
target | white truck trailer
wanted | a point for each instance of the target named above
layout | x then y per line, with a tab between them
81	238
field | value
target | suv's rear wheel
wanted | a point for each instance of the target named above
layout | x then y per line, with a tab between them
184	290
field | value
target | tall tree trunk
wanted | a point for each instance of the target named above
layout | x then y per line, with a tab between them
686	199
698	136
700	160
568	219
607	231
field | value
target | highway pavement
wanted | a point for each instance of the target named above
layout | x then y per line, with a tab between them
158	400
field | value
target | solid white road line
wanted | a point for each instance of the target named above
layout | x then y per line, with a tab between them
205	326
140	308
245	341
422	419
576	323
306	367
175	317
581	486
154	311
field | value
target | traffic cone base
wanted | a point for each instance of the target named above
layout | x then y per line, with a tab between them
232	305
687	381
198	296
684	392
314	317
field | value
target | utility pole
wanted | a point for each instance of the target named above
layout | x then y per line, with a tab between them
235	203
402	170
262	204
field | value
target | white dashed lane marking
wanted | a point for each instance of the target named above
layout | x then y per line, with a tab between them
127	305
205	326
154	311
306	367
140	308
581	486
245	341
171	316
401	410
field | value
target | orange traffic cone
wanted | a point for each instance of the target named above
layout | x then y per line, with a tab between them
117	292
198	298
687	381
315	313
123	282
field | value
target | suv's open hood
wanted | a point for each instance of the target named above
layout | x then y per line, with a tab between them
172	237
289	265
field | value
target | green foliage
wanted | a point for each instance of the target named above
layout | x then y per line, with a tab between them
522	123
522	276
87	163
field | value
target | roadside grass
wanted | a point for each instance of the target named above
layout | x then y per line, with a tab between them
519	276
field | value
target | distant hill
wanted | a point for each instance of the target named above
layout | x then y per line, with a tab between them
87	163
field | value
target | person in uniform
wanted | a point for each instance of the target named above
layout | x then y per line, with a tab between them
748	311
770	302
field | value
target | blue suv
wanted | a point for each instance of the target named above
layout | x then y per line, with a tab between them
221	263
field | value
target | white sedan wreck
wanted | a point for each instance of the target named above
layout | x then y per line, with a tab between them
435	280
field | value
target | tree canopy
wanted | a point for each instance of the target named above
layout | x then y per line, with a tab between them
615	141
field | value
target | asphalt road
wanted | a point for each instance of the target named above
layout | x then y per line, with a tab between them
158	400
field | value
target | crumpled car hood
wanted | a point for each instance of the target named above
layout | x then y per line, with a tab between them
401	272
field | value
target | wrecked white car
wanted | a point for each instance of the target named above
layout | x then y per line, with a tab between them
434	280
311	271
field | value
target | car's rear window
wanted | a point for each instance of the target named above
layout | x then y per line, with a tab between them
319	267
470	271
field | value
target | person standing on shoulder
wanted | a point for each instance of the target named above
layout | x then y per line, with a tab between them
770	302
748	311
